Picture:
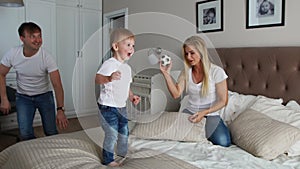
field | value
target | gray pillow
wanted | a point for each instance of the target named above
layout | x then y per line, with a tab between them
171	126
261	135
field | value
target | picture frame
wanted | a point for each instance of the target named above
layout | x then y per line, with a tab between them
209	16
264	13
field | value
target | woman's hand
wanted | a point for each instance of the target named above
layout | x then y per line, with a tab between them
197	117
165	69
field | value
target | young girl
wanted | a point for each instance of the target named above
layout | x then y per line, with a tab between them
115	77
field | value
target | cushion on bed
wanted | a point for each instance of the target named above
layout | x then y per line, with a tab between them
277	111
171	126
293	105
288	114
294	150
261	135
242	102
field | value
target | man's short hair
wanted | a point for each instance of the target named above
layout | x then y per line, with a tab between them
28	26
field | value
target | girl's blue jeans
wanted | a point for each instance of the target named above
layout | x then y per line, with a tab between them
215	130
26	108
114	122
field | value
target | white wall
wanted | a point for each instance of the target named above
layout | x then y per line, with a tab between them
235	33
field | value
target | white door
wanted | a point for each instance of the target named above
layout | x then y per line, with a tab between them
112	20
79	51
43	13
67	48
12	17
91	35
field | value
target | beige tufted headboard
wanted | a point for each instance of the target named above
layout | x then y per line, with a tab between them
269	71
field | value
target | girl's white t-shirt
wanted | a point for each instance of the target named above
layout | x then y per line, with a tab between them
32	72
196	102
116	92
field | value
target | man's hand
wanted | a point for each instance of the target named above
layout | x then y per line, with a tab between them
61	119
5	106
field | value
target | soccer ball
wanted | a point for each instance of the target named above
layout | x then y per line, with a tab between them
165	60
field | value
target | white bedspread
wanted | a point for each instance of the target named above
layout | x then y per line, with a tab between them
208	156
77	151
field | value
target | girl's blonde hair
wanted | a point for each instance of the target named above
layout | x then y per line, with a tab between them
199	45
120	34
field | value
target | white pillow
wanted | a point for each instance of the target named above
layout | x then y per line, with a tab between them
171	126
281	113
237	103
261	135
277	111
293	105
294	150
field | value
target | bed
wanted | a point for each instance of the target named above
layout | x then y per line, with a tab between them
263	84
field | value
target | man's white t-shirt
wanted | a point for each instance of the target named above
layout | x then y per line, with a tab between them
196	102
32	72
116	92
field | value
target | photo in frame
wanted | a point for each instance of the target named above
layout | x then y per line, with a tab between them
264	13
209	16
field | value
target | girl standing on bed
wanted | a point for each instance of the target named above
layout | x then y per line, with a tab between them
115	77
206	86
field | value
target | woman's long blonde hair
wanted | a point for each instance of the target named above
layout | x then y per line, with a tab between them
199	44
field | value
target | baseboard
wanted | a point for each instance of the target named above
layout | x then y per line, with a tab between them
8	122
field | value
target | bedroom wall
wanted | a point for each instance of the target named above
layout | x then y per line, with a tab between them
234	35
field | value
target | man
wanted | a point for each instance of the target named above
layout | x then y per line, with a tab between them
33	66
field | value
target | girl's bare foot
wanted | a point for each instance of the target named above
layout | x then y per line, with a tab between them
114	164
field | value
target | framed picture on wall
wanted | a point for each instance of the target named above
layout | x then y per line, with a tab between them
264	13
209	16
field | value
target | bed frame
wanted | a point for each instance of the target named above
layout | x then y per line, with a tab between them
269	71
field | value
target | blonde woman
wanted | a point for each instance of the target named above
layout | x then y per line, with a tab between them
205	83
